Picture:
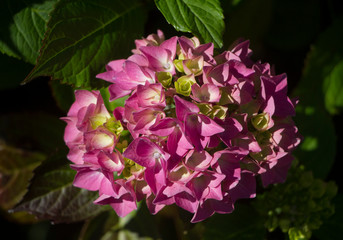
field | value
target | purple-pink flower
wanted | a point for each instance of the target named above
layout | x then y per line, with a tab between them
202	128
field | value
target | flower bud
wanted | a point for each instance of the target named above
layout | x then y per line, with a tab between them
218	112
114	126
164	78
184	85
178	65
97	120
205	108
260	121
193	66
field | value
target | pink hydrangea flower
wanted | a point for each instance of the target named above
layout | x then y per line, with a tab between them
201	128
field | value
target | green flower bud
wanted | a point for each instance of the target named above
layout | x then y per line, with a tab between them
165	78
178	65
219	112
193	66
205	108
114	126
260	121
97	120
184	85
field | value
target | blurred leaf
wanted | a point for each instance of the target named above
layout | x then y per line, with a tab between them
318	150
98	226
333	89
52	196
33	131
108	225
83	36
204	19
330	228
128	235
16	170
23	36
243	223
63	95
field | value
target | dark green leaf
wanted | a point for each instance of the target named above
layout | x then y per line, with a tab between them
52	196
83	36
318	149
24	30
63	95
16	170
330	228
97	227
11	75
204	19
33	131
244	223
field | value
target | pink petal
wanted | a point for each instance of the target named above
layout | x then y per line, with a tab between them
182	107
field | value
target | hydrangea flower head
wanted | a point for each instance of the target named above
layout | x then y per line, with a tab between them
201	128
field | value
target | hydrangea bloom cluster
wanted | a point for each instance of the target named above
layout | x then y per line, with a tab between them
202	127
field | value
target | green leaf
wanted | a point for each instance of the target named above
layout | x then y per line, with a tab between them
52	196
204	19
16	170
83	36
318	150
24	30
112	105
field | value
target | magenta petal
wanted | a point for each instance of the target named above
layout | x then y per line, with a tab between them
246	187
232	128
222	207
116	65
228	162
124	206
83	98
278	173
117	92
159	58
198	161
203	211
183	107
164	127
170	44
153	207
186	201
89	179
142	151
192	131
137	73
219	74
209	127
177	146
155	177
